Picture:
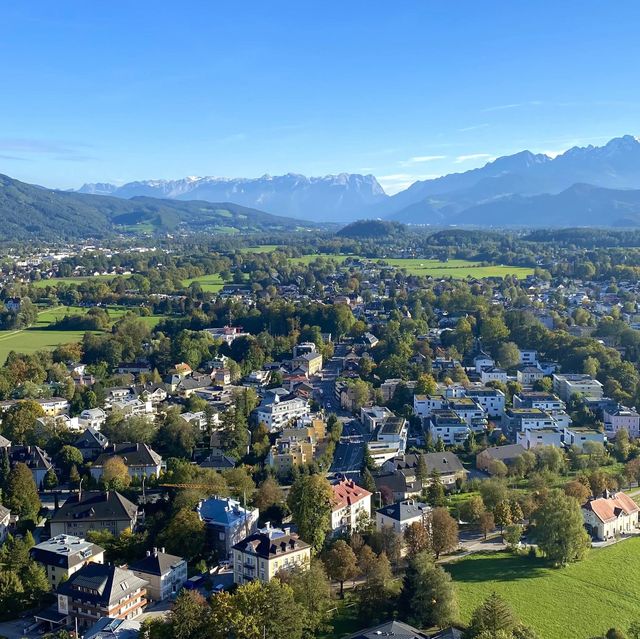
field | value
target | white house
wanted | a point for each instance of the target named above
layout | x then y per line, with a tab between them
448	426
609	516
279	407
349	501
534	437
493	374
490	399
622	418
401	515
565	386
482	361
577	436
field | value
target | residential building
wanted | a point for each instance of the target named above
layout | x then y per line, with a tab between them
5	522
63	555
132	407
401	514
389	439
537	399
493	374
140	459
92	418
389	629
279	407
388	388
610	516
534	437
446	464
577	436
482	361
528	357
53	406
227	522
91	444
621	418
506	454
289	453
267	551
519	419
568	385
528	375
93	510
304	348
34	458
491	400
448	426
101	590
309	363
228	334
373	416
470	411
165	574
217	460
350	502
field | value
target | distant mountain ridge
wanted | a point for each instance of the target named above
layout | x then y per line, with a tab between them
331	198
476	196
30	212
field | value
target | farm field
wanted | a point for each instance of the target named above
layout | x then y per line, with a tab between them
264	248
38	337
576	602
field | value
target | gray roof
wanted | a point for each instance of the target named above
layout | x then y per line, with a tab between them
65	551
156	563
404	510
395	629
508	452
101	584
445	463
222	511
4	442
111	628
131	455
97	506
33	456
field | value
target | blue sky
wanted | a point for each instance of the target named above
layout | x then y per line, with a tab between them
117	91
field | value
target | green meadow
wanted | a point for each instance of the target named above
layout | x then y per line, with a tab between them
576	602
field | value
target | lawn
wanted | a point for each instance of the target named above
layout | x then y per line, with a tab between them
38	337
209	283
576	602
264	248
457	269
74	280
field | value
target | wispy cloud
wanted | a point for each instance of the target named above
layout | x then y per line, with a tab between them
474	127
12	157
23	148
513	105
396	182
420	159
472	156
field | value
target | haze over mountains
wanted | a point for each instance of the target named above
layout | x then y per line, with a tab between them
476	197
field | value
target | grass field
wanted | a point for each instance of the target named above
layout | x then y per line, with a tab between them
264	248
209	283
38	337
458	269
74	280
576	602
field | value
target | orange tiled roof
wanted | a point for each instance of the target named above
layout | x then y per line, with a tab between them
347	493
608	509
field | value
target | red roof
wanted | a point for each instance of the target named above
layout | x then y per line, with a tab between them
347	493
609	509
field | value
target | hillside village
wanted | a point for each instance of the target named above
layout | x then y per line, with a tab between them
340	425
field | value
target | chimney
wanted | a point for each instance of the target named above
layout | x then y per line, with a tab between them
148	553
155	551
162	550
287	531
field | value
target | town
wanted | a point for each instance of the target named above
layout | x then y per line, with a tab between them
360	432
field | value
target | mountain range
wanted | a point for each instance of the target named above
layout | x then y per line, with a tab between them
30	212
479	197
330	198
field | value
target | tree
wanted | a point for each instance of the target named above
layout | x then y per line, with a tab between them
493	491
11	590
115	474
341	564
444	531
18	423
421	470
513	534
35	582
426	385
310	502
493	616
560	529
435	491
22	493
622	446
5	468
471	509
577	490
615	633
312	591
374	595
502	514
184	535
428	596
416	538
50	480
487	523
188	617
497	468
508	355
68	457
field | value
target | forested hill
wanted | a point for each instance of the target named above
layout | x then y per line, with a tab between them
32	212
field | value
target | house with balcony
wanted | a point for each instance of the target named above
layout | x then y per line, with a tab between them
164	573
140	459
349	501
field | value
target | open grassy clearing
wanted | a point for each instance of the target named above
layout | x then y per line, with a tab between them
75	280
264	248
458	269
576	602
39	337
209	283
